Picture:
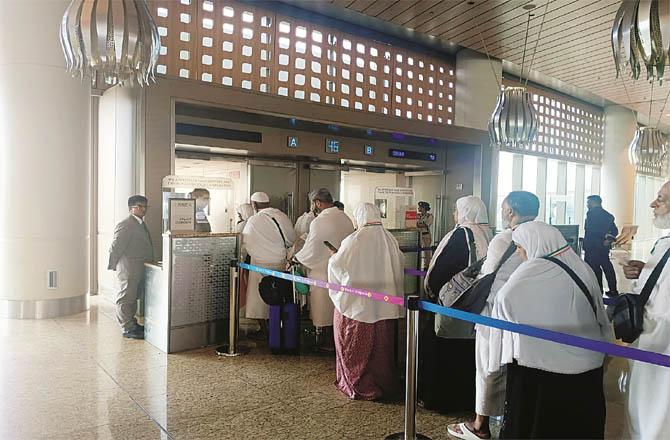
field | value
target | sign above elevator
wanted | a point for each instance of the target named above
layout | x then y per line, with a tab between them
414	155
332	146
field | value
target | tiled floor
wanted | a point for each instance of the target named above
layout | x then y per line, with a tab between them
77	378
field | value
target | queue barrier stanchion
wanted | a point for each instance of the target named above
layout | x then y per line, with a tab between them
411	373
233	348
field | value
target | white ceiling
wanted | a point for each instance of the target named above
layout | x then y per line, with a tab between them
574	46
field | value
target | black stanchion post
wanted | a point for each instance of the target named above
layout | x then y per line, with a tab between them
411	373
232	348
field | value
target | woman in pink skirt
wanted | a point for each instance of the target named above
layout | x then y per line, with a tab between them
370	258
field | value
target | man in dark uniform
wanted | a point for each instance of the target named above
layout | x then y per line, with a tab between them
600	233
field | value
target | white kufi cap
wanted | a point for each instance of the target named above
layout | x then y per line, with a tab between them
260	197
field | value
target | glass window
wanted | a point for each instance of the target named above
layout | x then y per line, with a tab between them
529	181
570	212
552	189
504	182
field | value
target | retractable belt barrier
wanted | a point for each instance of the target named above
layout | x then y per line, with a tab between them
649	357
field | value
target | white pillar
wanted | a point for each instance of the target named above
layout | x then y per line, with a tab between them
618	175
44	166
476	88
476	94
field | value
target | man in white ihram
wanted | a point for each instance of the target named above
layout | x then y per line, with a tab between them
648	403
267	235
333	226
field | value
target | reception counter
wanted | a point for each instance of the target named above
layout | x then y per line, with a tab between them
187	295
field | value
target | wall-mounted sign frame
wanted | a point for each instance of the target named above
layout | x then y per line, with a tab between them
292	142
369	150
181	215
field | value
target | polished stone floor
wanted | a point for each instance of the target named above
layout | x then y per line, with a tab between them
77	378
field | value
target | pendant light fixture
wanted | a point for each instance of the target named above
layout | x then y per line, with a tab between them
649	145
641	34
514	122
648	148
116	40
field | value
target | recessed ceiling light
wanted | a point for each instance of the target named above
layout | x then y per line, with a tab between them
529	7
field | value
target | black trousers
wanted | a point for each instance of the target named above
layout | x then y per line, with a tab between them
599	261
541	404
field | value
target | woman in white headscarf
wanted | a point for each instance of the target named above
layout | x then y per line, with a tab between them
244	211
370	258
453	254
447	379
545	378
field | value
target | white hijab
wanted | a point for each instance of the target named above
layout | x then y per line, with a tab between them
245	211
471	213
303	222
370	258
542	294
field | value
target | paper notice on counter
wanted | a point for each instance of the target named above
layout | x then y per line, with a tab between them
182	215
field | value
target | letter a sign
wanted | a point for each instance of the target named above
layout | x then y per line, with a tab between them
293	142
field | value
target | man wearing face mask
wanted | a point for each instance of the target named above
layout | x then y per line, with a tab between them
333	226
517	208
201	196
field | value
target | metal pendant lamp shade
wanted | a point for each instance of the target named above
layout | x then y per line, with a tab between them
641	34
117	39
514	121
648	148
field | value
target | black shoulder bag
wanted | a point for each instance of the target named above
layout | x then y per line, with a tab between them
276	291
474	299
577	281
466	292
627	312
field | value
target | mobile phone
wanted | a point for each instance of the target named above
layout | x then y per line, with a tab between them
330	246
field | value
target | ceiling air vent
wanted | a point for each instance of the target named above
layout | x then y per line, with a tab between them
52	279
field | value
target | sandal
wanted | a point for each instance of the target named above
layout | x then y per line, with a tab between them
465	433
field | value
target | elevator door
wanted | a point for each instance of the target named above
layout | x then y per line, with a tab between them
429	187
325	177
278	180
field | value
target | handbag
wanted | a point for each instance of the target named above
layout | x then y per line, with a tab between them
452	290
627	312
474	299
276	291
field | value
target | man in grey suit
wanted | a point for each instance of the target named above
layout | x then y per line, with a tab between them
130	249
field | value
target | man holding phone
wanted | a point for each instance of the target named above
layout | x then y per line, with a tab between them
330	225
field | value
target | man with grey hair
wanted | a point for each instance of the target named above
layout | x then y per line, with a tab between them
330	225
648	407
